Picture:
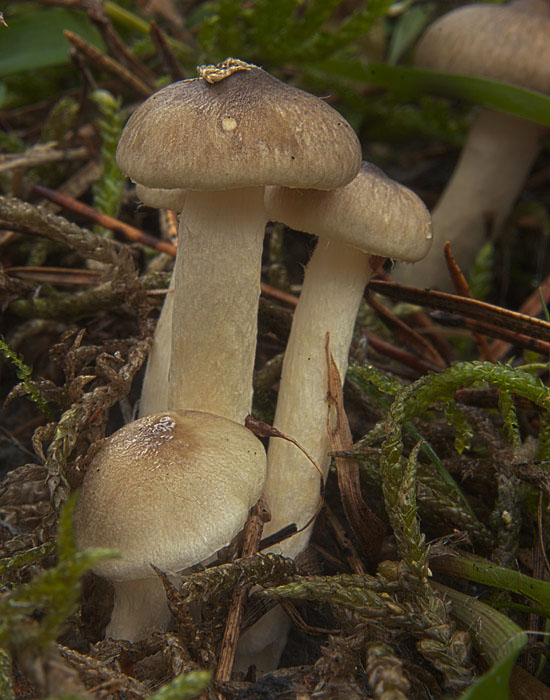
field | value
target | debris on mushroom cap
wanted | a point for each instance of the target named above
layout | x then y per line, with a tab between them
508	43
169	489
373	213
220	71
244	129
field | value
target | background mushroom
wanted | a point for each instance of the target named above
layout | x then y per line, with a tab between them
222	137
169	489
508	43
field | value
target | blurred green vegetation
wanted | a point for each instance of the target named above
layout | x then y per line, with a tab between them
314	43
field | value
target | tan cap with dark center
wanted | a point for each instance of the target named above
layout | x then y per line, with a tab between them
237	126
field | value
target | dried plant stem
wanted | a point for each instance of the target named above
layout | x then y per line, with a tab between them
470	308
463	289
351	554
171	64
367	527
402	331
130	232
109	65
252	537
56	228
42	154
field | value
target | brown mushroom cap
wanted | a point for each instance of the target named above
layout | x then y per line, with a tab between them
373	213
509	43
242	128
169	489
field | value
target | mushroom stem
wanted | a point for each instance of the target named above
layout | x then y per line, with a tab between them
216	296
154	392
140	609
333	287
490	173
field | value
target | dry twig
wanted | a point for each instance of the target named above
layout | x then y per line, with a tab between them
367	527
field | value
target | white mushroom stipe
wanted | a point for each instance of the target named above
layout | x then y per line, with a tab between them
171	490
154	391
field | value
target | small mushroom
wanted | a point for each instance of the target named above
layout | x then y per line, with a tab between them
222	137
508	43
371	215
169	489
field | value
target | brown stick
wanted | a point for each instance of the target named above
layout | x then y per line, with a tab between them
409	336
54	275
133	234
405	358
427	328
470	308
252	536
169	60
278	294
108	65
346	545
463	289
367	527
116	46
531	306
487	397
518	339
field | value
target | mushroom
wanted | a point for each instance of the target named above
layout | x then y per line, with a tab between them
373	215
508	43
222	137
169	489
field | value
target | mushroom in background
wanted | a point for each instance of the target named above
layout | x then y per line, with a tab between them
169	489
223	137
510	43
373	215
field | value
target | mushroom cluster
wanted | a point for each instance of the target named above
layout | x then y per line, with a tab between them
231	150
209	146
501	42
